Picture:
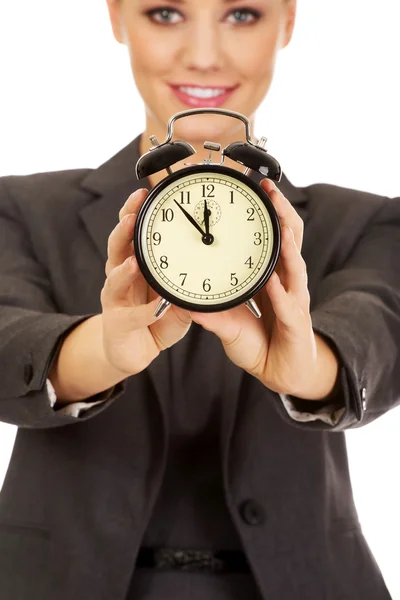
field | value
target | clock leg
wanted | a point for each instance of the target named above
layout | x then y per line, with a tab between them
253	308
162	307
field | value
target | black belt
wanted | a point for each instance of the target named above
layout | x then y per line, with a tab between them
220	561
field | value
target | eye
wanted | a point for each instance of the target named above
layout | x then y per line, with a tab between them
243	16
164	16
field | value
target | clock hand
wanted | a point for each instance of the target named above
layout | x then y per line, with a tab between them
206	218
191	219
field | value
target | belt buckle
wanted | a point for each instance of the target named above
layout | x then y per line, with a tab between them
188	560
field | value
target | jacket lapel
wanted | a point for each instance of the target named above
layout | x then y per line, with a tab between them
110	185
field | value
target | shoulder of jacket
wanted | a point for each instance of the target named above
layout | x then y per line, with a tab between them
328	202
43	188
343	194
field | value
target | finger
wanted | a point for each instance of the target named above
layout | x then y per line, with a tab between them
286	213
120	245
293	270
133	203
131	318
284	305
151	294
227	325
243	337
171	327
119	293
119	282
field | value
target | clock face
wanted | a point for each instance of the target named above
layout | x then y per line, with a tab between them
215	271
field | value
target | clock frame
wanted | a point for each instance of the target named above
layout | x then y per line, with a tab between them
141	252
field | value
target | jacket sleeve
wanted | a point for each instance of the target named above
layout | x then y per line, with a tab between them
31	330
357	311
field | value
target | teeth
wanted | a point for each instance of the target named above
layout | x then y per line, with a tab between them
203	92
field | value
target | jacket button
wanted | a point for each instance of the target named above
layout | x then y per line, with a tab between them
252	513
363	393
28	373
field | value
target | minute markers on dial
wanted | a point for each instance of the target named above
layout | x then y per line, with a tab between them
242	245
206	284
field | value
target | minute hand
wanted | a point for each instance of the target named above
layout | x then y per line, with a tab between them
206	218
191	219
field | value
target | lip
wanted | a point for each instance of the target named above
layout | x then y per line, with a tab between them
204	87
202	102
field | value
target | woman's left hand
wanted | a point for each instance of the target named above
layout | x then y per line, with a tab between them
280	349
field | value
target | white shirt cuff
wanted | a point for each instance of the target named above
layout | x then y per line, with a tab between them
328	414
74	408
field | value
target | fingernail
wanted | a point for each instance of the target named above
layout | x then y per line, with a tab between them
130	261
127	219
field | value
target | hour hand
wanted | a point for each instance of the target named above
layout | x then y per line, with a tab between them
206	217
191	219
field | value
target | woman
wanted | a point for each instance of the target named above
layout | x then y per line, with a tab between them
158	462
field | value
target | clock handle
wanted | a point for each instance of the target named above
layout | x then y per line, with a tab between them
215	111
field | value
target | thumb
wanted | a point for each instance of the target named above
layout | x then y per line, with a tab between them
226	325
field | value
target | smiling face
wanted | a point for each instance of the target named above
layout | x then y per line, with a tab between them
190	53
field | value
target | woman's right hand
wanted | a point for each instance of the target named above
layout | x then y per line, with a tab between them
132	336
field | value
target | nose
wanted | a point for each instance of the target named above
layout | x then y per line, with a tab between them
204	50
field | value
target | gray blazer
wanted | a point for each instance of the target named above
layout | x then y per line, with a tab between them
79	491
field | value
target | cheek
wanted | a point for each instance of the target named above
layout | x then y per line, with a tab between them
257	56
149	54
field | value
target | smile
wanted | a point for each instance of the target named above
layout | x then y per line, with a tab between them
203	92
196	96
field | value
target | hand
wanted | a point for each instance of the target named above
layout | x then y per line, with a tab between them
190	218
280	349
132	336
206	217
207	238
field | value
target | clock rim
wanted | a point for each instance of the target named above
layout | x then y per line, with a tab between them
139	254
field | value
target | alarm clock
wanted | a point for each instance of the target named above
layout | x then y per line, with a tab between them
207	237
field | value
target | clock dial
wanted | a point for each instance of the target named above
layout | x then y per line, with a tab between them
173	245
213	208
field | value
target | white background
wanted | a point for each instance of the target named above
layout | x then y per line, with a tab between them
67	100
